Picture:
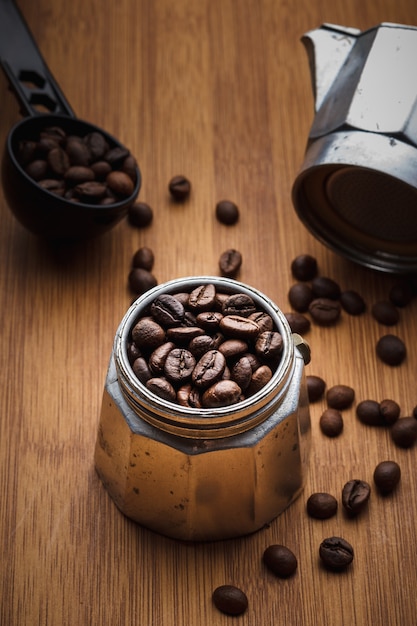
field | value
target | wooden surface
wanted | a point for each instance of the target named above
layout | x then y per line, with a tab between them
217	90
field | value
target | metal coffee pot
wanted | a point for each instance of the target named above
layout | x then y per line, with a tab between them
357	188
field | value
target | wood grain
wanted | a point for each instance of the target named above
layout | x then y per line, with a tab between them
217	90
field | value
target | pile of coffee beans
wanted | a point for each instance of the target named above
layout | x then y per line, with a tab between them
80	169
205	348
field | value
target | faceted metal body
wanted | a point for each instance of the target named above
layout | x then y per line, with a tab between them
357	188
203	474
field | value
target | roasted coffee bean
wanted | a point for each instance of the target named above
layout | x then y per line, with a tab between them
188	396
269	344
97	145
227	212
159	356
221	393
263	320
230	262
203	343
184	334
280	560
26	151
404	432
298	323
141	370
77	174
321	505
304	267
148	334
336	553
167	310
133	352
390	411
202	298
325	311
179	188
209	368
90	191
387	475
391	350
179	365
58	161
385	313
340	397
368	412
116	156
239	304
77	151
209	320
315	387
37	169
231	348
352	302
230	600
54	186
238	326
162	388
242	372
140	280
144	258
324	287
260	377
140	215
101	169
401	293
331	423
120	183
299	296
355	496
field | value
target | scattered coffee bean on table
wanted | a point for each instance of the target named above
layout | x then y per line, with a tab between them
141	280
387	475
404	432
230	600
179	188
315	387
352	302
391	350
144	258
336	553
280	560
230	262
390	411
298	322
331	423
299	296
304	267
227	212
340	397
368	412
385	313
355	496
325	311
324	287
140	215
321	505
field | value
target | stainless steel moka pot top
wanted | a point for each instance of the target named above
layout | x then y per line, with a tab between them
357	188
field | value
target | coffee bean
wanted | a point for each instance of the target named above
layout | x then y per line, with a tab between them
159	356
77	151
53	185
321	505
148	334
141	370
260	377
391	350
280	560
242	372
37	169
101	169
331	423
179	188
144	258
401	293
304	267
77	174
179	365
368	412
202	298
227	212
336	553
167	310
221	393
140	215
97	145
263	320
209	368
324	287
162	388
298	322
387	475
90	191
184	334
230	262
231	348
140	280
238	326
385	313
116	156
340	397
230	600
390	411
325	311
352	302
315	387
203	343
300	296
188	396
404	432
269	344
355	496
58	161
120	183
239	304
26	151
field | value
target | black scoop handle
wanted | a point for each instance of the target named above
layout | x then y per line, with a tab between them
26	71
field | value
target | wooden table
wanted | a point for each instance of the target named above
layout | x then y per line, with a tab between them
217	90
